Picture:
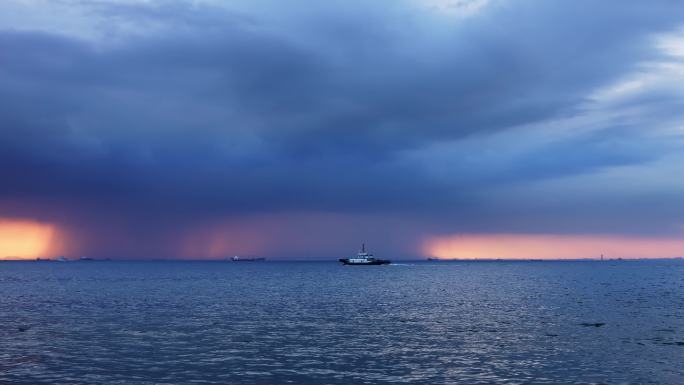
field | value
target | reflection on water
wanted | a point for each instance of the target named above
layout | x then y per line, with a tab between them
322	323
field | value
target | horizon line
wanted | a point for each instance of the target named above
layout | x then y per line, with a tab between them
280	259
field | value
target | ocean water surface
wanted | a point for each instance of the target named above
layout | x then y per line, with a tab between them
114	322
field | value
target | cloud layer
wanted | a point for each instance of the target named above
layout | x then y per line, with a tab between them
136	123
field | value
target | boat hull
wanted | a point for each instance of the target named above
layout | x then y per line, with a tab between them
376	262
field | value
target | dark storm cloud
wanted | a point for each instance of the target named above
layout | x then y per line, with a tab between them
204	112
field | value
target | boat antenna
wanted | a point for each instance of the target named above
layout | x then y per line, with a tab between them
363	247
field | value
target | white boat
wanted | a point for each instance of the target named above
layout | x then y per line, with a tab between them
364	258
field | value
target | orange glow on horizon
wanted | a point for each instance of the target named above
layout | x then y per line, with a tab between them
541	246
22	239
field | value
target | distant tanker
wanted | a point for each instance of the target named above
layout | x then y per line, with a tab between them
240	259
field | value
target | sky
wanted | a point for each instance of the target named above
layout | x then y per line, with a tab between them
299	129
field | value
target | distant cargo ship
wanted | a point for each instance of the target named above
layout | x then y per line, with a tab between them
240	259
364	259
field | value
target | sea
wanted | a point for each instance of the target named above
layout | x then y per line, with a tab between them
464	322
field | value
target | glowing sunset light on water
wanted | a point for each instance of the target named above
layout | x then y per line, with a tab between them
21	239
541	246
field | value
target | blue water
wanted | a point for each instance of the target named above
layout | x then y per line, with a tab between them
323	323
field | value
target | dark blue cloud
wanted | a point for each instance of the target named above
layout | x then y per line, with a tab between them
204	112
